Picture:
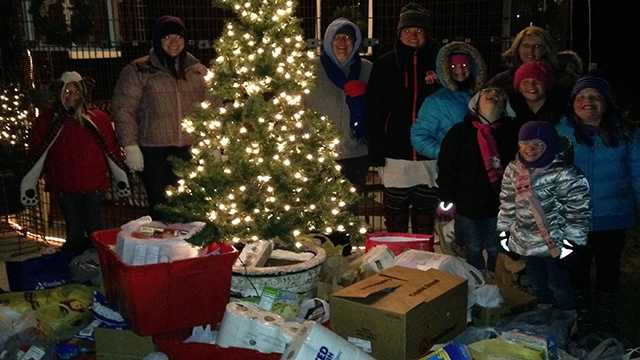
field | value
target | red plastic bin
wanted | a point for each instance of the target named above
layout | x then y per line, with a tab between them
172	345
165	297
399	242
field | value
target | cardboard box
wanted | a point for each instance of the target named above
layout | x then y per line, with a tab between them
515	302
121	345
400	313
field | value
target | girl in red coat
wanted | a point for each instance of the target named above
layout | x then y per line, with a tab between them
76	148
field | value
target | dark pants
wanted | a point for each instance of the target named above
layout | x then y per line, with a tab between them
355	170
478	235
417	202
82	215
605	247
550	282
158	173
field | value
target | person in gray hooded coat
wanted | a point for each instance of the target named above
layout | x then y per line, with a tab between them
341	83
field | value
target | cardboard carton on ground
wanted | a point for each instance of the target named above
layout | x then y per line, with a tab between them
515	302
400	313
121	345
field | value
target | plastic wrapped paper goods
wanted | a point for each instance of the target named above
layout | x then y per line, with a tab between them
144	242
321	343
244	325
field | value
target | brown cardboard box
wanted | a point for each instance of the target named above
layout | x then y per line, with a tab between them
400	313
515	302
121	345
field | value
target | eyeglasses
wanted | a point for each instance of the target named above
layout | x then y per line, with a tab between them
172	37
342	37
410	30
493	90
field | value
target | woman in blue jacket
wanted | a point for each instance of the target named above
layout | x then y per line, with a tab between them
609	155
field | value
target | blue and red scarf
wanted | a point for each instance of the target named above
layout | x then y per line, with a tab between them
354	90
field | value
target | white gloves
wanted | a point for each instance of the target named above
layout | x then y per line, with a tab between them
133	158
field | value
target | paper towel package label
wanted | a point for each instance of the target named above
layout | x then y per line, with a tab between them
402	312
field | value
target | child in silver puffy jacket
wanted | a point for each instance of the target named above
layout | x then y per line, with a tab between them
545	207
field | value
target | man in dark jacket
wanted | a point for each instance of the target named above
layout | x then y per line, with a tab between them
400	80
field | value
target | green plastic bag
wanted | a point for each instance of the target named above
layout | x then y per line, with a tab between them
60	312
493	349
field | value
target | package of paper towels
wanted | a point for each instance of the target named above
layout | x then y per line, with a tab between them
244	325
321	343
144	241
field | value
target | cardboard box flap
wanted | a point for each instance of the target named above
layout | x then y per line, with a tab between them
409	296
421	286
371	285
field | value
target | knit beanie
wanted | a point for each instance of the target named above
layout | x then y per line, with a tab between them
546	132
413	15
538	70
593	82
348	30
166	25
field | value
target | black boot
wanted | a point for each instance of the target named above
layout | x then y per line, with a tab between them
396	220
605	313
422	223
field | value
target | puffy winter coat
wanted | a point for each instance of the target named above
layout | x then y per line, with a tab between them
447	106
563	193
149	103
614	178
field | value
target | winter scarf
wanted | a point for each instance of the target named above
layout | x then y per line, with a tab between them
489	151
354	90
524	192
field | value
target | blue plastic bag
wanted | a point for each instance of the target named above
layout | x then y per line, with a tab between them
43	272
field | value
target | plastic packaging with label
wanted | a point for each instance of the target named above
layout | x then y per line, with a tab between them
321	343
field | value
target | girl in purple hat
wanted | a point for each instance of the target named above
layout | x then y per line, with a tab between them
544	206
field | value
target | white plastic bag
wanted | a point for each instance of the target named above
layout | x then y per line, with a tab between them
12	322
424	260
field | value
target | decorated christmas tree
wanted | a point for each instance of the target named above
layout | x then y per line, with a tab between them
15	122
263	166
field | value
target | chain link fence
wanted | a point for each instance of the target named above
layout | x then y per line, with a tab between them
120	31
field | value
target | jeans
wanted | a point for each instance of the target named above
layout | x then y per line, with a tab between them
551	282
418	201
158	173
478	235
83	214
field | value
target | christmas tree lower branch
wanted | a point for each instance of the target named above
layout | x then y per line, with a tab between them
263	166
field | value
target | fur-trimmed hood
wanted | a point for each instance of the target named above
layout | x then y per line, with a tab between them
478	67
